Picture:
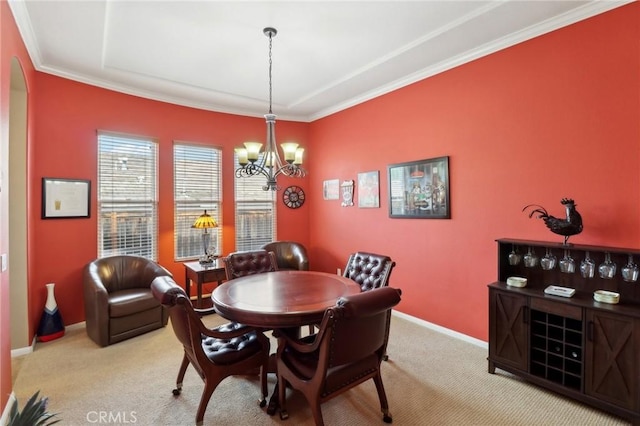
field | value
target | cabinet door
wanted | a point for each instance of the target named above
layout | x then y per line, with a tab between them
508	329
611	364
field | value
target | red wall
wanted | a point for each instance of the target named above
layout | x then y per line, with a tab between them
554	117
68	115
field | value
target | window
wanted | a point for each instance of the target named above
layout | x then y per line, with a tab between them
197	186
127	196
255	212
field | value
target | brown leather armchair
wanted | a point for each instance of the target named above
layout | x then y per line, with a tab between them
289	255
370	270
118	302
215	354
241	263
346	351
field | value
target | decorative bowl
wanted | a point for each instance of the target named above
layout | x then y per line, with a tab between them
516	281
605	296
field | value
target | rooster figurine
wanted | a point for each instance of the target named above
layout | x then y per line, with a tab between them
572	225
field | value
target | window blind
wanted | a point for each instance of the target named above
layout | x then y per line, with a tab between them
255	212
197	186
127	196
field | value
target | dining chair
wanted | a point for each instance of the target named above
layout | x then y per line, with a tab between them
346	351
370	270
215	354
249	262
289	255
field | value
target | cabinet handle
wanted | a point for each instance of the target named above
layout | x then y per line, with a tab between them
590	331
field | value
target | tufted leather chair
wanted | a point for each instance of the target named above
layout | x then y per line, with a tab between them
214	353
289	255
370	270
346	351
118	302
241	263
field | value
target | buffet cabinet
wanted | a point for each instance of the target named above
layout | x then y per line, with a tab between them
576	346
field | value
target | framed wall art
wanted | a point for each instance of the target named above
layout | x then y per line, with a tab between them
65	198
347	193
369	189
331	189
420	189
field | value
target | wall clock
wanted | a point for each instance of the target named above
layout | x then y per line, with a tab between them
293	197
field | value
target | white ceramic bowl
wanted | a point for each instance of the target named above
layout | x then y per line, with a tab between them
605	296
516	281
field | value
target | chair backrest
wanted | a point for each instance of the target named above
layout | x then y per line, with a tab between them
289	255
242	263
358	326
369	270
124	272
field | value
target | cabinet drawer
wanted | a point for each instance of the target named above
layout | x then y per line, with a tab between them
557	308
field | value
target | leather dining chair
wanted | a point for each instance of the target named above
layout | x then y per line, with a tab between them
346	351
289	255
242	263
370	270
215	354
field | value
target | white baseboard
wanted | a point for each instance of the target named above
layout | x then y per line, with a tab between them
441	329
4	419
27	350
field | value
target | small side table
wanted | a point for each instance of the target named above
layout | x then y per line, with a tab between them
198	273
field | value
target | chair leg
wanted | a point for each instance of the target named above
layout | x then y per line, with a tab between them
317	413
384	405
263	384
183	369
209	387
282	401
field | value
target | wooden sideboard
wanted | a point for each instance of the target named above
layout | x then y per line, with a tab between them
576	346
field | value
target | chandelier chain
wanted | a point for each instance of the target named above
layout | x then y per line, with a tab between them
270	67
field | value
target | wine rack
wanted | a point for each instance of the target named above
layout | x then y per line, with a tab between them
556	349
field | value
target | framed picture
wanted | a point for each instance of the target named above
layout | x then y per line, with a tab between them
331	189
65	198
369	189
420	189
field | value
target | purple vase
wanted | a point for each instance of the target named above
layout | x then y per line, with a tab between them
51	326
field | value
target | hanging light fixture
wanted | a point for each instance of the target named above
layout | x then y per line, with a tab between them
270	165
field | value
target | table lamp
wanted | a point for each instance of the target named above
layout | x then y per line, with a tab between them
205	221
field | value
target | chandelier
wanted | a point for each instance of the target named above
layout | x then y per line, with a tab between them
269	164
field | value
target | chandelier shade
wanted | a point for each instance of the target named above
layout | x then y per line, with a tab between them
270	164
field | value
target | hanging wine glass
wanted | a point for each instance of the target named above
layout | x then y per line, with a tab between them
607	270
567	264
587	267
530	259
548	262
514	256
630	271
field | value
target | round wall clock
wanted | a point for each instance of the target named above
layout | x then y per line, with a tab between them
293	197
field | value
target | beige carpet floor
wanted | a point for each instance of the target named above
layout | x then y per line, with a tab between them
430	379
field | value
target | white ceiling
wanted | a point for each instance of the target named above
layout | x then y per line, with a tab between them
327	55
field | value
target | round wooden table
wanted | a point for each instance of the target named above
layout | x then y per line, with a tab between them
281	299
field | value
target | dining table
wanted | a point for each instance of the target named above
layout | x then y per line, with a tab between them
281	300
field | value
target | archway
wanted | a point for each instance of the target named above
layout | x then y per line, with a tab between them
17	187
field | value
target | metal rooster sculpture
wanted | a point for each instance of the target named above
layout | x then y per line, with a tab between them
572	225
